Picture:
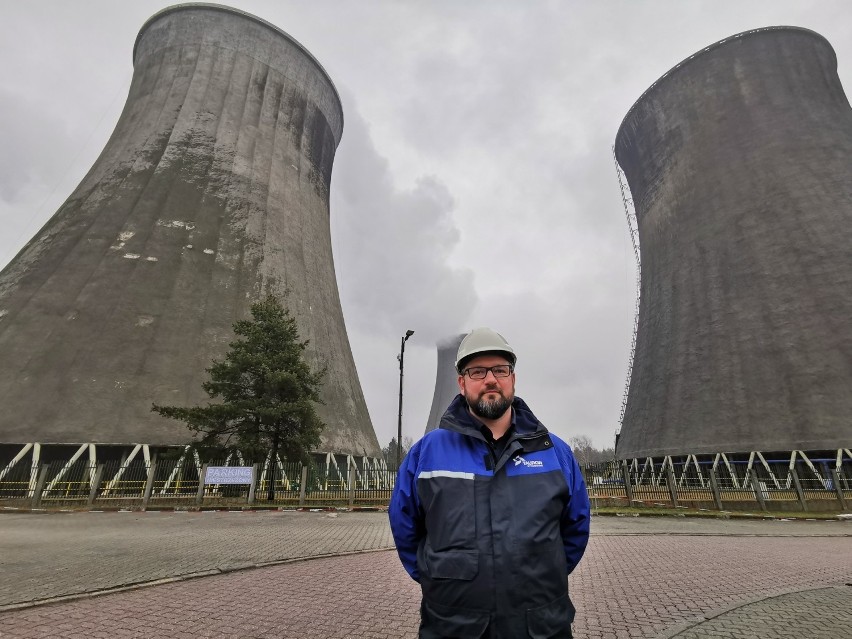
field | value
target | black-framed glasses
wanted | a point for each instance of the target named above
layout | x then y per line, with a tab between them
481	372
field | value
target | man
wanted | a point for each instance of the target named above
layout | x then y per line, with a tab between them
490	512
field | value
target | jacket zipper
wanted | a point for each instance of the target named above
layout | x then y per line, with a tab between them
492	454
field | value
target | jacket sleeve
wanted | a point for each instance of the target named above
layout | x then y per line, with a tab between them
574	524
406	516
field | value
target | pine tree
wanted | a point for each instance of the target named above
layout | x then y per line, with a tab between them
391	453
266	392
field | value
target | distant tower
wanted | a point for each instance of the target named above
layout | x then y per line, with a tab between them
212	191
446	384
738	161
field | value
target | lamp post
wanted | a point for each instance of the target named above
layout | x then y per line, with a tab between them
401	358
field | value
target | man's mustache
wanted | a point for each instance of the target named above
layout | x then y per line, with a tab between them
498	390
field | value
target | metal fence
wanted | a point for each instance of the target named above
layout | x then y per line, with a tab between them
712	482
721	482
178	483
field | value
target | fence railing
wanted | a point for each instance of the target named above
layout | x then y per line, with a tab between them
713	484
720	483
179	483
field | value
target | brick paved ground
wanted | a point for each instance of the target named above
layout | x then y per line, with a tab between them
822	613
640	578
43	556
638	586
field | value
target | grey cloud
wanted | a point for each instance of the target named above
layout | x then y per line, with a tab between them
392	244
37	155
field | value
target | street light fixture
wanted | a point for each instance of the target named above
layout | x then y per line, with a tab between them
401	358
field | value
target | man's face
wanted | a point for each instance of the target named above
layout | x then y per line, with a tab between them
488	398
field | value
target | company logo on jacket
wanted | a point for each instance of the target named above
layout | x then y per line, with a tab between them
535	463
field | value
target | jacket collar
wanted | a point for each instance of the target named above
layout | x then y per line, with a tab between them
457	418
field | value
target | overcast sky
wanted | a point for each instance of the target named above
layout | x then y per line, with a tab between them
474	184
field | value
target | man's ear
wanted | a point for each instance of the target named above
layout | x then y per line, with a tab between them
461	384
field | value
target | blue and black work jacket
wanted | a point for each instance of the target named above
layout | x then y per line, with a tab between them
491	540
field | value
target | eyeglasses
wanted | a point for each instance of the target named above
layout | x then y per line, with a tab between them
481	372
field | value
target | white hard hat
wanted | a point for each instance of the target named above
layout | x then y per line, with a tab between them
483	340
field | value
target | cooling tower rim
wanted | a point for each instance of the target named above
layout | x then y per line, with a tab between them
244	14
451	340
656	84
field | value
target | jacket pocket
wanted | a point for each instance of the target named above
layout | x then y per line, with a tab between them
449	504
451	564
441	622
551	621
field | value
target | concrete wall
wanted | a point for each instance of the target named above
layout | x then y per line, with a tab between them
446	379
212	190
738	161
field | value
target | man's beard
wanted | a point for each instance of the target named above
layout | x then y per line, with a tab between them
490	409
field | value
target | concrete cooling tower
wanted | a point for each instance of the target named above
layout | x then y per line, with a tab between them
446	380
738	162
212	191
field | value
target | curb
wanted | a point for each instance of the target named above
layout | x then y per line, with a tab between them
168	580
197	509
683	626
725	514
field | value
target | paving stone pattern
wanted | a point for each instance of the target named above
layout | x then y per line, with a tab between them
822	613
52	555
638	586
638	579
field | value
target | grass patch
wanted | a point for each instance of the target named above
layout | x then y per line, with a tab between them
649	511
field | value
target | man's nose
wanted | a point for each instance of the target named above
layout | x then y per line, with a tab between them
487	373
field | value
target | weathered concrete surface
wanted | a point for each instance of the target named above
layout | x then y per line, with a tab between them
738	163
212	190
641	577
446	380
